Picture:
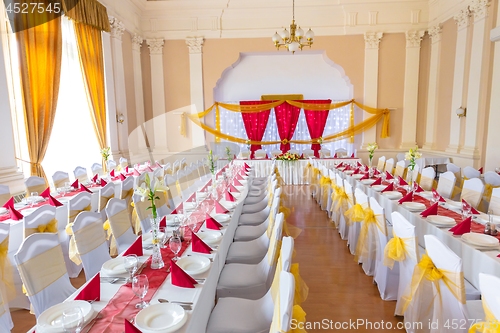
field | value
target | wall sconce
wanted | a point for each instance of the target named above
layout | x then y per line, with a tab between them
120	118
461	112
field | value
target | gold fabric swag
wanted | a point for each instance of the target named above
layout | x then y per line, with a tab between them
353	129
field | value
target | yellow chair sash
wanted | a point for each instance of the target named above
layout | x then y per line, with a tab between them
298	321
307	173
140	212
301	288
45	274
51	227
60	183
119	223
103	201
471	196
495	205
426	182
273	242
490	323
341	200
488	188
6	272
85	240
396	250
400	171
288	228
35	188
354	214
178	187
362	247
424	271
127	194
73	213
325	183
270	225
275	285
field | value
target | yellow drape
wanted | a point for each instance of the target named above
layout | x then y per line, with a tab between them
50	227
301	288
39	50
325	183
6	275
354	214
89	43
89	12
362	249
395	250
490	323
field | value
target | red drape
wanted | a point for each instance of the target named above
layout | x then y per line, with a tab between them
316	121
255	123
287	117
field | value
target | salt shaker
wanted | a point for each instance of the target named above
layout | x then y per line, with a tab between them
487	226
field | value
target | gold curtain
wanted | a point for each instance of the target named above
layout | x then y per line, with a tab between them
89	41
89	12
40	51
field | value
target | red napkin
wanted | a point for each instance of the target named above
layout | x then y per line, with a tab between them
441	199
356	171
198	245
236	183
239	176
210	223
472	209
219	209
75	184
352	155
122	176
179	277
46	193
9	203
229	197
103	182
54	202
419	189
135	248
463	227
340	165
136	173
402	181
359	164
233	189
92	291
14	214
390	187
130	328
347	167
377	182
376	172
112	173
181	206
407	198
84	188
365	177
335	156
388	175
481	170
163	222
126	169
94	179
432	210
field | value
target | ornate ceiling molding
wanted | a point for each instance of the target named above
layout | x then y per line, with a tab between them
195	44
155	45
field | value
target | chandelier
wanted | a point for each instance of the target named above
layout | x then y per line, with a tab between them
294	39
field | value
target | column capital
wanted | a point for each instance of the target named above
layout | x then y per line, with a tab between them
117	28
136	42
462	18
479	8
195	44
435	33
372	39
413	38
155	45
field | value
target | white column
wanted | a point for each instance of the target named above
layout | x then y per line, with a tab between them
410	97
459	95
158	93
478	78
117	29
432	96
195	45
372	41
139	140
111	124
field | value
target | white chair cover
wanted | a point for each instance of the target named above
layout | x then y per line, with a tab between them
495	201
456	171
400	157
283	309
260	154
323	153
6	292
472	191
4	194
414	174
375	241
308	153
111	165
381	163
120	224
401	168
96	169
341	152
276	152
492	178
389	165
6	324
427	178
105	194
353	234
47	285
34	184
469	172
59	178
244	154
81	174
490	292
293	151
446	184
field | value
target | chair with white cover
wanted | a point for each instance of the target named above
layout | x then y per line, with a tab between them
260	154
324	153
308	153
46	285
491	182
126	191
389	166
401	169
81	174
381	163
427	178
457	171
490	294
244	154
4	194
282	316
255	214
7	287
413	174
59	178
123	162
105	194
343	200
495	201
35	184
233	314
90	241
6	323
469	173
276	152
472	191
340	152
251	281
354	227
293	151
446	184
97	169
387	279
120	224
111	165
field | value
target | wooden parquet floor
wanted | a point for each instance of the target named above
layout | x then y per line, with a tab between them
339	291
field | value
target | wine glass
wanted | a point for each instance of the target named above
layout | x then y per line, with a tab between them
72	320
140	286
466	209
130	263
435	197
33	196
175	246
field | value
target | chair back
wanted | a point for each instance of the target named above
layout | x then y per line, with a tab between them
244	154
271	258
489	285
120	224
260	154
282	317
400	169
293	151
4	194
427	178
81	174
495	201
324	153
389	165
308	153
286	253
96	169
6	324
381	163
276	152
361	197
469	173
79	203
400	157
446	184
341	152
111	165
123	162
105	194
41	220
414	174
127	190
35	184
456	171
59	178
472	191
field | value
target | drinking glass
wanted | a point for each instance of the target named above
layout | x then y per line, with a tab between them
130	263
72	320
67	187
466	209
435	197
140	286
175	246
164	237
33	196
396	183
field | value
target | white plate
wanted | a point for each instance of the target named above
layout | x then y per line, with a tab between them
49	321
114	267
441	221
19	205
378	188
453	204
393	195
28	211
222	218
368	181
480	240
3	210
349	172
194	265
171	219
358	176
188	205
210	237
425	194
161	318
414	206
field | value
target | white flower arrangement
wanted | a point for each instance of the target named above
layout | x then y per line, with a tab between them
148	189
371	150
211	160
412	155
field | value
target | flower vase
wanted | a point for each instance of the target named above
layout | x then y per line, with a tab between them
410	180
156	258
370	162
214	180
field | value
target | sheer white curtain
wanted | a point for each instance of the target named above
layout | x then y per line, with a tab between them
338	120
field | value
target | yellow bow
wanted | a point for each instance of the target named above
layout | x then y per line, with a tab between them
362	249
490	323
49	227
298	320
395	250
301	288
488	188
6	271
340	200
355	214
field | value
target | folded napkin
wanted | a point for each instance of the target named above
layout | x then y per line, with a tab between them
366	176
94	179
9	203
179	277
112	173
347	167
46	193
419	189
402	181
358	164
135	248
198	245
136	173
211	223
390	187
352	155
441	199
219	209
92	291
376	172
163	222
103	182
84	188
229	197
130	328
14	214
247	166
356	171
126	169
472	209
388	175
377	182
233	189
481	170
122	176
463	227
75	184
335	156
340	165
236	182
54	202
432	210
407	198
181	207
